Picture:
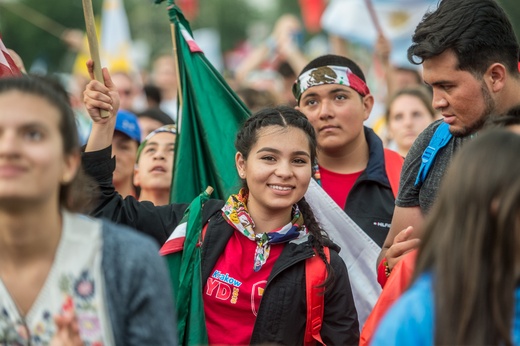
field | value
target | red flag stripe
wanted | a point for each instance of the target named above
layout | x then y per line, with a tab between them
8	67
171	246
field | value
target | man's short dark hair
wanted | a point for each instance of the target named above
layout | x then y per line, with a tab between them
477	31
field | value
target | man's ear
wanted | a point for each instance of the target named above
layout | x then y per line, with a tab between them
495	77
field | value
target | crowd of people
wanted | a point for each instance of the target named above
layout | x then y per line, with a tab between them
85	198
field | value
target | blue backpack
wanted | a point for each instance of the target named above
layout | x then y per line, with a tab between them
440	138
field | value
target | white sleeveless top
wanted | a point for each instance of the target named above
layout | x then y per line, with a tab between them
75	279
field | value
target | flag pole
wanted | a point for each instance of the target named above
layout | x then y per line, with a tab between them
373	16
36	18
93	45
177	72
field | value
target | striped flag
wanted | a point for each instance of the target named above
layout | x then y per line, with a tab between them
8	67
116	41
398	19
183	256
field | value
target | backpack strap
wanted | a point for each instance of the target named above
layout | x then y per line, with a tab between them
440	138
393	165
203	233
315	275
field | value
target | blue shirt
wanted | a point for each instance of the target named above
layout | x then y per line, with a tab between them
410	321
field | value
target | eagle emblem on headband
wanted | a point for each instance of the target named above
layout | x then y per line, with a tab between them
322	75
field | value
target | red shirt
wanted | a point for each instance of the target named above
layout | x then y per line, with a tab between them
233	291
338	185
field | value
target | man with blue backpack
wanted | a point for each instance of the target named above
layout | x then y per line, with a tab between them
469	54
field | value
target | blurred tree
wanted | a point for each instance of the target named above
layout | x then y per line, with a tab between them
24	34
230	17
512	8
148	23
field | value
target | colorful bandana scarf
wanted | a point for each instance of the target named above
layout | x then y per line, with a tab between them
236	214
329	75
165	128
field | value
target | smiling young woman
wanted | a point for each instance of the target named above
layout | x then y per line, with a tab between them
257	242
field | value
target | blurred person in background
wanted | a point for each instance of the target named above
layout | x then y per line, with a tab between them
165	78
397	76
408	113
130	94
66	279
126	140
256	99
151	119
153	95
281	54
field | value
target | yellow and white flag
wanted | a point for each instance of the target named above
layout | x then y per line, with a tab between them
116	41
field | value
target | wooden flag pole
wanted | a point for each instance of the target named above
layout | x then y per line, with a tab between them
93	45
177	71
36	18
373	16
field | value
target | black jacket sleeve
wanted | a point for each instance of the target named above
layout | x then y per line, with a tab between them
155	221
340	321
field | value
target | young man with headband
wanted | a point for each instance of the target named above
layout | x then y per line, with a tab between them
353	167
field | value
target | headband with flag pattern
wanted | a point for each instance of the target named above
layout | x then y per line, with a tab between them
329	75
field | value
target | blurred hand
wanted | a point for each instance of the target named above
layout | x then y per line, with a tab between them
67	329
382	50
285	31
74	39
403	243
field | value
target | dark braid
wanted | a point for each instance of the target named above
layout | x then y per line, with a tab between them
319	236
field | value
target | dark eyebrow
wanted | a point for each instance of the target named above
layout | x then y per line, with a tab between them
276	151
440	82
344	89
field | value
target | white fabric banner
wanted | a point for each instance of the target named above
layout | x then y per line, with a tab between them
358	250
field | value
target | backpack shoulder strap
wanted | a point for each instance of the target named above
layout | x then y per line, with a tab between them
315	275
393	165
440	138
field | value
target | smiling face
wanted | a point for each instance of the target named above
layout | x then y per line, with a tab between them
154	169
277	169
407	118
463	100
32	162
337	113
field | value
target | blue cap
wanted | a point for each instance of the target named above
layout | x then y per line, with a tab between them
126	123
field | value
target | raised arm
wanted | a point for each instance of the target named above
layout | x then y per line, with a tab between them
97	97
